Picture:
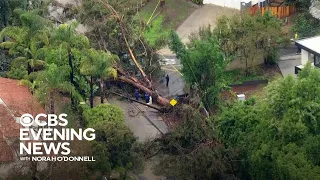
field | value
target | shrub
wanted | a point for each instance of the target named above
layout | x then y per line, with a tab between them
103	112
197	1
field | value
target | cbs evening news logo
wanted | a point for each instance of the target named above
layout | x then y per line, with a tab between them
46	137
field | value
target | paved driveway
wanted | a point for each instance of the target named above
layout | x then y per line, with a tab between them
203	16
288	60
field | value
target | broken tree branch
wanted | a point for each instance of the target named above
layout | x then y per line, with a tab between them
120	23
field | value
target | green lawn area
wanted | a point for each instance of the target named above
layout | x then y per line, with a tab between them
261	72
238	77
175	12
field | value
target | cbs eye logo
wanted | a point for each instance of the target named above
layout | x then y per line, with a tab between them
28	120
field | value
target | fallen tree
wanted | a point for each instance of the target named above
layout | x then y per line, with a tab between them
146	84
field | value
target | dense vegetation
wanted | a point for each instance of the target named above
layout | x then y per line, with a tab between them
275	136
304	23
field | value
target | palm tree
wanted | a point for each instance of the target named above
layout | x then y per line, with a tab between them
24	41
98	65
52	81
67	38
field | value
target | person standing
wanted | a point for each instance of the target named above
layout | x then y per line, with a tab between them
167	80
147	97
150	100
137	94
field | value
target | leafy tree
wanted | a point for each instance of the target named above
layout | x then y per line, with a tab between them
192	151
69	44
277	137
25	41
203	65
249	38
98	65
110	34
51	81
115	144
103	112
306	25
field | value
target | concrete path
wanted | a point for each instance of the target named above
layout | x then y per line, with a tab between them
288	60
144	125
204	16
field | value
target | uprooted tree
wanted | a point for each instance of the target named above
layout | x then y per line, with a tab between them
110	30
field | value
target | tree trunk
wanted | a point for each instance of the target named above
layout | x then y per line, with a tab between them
101	91
71	74
29	69
51	101
123	33
160	100
91	92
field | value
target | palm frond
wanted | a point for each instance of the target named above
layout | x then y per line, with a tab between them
7	44
13	32
25	82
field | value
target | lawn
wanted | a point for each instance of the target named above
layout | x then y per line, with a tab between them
261	72
162	22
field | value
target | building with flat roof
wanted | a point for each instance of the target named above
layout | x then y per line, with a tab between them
310	51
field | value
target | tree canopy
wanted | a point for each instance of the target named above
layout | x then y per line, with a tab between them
277	137
203	65
103	112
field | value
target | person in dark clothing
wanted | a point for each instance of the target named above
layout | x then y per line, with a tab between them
137	94
147	97
299	50
167	80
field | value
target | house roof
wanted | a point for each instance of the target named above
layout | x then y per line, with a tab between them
311	45
8	126
15	100
6	153
18	98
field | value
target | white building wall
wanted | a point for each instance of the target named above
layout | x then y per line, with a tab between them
305	57
236	4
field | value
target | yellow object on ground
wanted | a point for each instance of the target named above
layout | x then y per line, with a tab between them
173	102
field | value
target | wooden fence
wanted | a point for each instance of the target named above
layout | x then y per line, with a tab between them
280	12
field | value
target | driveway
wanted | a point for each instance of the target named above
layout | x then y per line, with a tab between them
203	16
144	122
288	60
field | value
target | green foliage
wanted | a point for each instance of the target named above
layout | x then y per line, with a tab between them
203	65
306	25
17	72
115	148
155	33
278	136
191	150
197	1
98	64
51	81
103	113
238	77
249	38
25	41
106	33
5	62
